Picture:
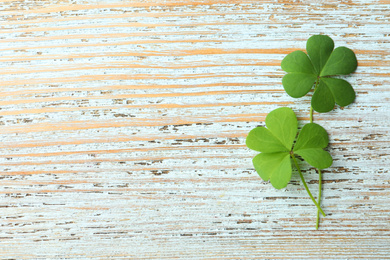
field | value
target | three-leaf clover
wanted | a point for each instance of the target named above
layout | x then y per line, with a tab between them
276	144
322	61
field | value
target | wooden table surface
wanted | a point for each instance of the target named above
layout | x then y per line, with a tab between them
123	126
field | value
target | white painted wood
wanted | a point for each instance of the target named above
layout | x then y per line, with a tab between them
123	125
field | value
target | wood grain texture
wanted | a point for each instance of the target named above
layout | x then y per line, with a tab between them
123	125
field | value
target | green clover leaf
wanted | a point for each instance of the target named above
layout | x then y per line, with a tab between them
316	68
276	146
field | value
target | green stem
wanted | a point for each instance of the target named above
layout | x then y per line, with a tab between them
311	114
304	184
319	196
311	108
319	171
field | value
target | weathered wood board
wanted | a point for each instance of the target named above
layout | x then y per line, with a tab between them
123	125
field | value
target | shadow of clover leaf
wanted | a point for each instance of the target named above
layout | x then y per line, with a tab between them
316	68
276	144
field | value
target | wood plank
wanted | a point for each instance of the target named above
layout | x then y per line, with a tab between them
123	126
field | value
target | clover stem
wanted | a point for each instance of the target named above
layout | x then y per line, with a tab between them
311	114
319	171
319	196
311	108
304	184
